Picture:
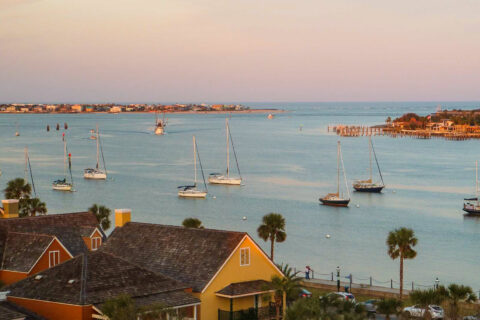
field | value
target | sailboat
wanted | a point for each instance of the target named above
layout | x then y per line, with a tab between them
369	185
219	178
192	191
160	124
63	184
336	199
17	133
473	208
96	173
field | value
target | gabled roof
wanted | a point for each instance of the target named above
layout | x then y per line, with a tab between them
106	277
22	250
190	255
68	228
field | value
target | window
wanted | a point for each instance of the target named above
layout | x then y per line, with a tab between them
96	243
245	256
53	258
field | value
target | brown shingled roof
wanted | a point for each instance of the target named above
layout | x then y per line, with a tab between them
11	311
244	288
107	277
192	256
22	250
68	228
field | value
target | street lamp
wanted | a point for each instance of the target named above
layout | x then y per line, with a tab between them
436	283
338	279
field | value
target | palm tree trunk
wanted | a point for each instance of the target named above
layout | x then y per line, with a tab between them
401	276
284	305
272	245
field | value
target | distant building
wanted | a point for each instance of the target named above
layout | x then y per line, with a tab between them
51	108
89	108
116	109
217	107
77	108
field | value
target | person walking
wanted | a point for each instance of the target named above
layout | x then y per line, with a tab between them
307	272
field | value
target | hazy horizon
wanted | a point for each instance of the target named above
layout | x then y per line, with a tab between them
211	51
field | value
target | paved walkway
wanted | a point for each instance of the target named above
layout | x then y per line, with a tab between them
359	288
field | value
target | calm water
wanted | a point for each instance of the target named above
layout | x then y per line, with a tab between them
285	170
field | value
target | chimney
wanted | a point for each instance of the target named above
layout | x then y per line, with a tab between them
122	216
10	208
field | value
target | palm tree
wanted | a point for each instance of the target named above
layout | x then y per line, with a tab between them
32	207
192	223
103	215
273	228
389	306
286	287
424	298
18	189
400	244
454	294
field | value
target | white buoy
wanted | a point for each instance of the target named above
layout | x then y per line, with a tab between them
214	197
327	236
394	191
244	218
357	205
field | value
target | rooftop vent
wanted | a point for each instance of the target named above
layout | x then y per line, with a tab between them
38	277
3	295
71	281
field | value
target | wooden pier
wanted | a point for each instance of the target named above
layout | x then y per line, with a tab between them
355	131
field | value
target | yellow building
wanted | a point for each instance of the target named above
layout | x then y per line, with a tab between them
227	270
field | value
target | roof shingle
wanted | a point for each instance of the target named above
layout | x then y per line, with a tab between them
193	256
107	277
22	250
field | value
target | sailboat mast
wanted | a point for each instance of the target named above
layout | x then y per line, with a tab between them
195	159
370	155
64	157
98	148
338	168
26	165
228	147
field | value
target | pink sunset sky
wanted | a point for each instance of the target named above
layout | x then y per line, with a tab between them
239	50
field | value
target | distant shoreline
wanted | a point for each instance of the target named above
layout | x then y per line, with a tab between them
264	111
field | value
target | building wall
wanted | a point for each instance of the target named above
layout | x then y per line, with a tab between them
54	310
88	240
43	263
260	268
9	277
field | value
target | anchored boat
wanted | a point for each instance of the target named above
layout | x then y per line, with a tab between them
337	199
191	191
97	173
220	178
64	184
471	205
369	185
160	124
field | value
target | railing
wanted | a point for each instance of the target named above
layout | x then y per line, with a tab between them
262	313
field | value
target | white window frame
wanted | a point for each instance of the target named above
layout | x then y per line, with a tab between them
55	254
243	251
95	243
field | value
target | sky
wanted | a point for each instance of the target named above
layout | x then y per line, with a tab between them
243	50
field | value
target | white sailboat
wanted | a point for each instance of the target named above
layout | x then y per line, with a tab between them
191	191
219	178
97	173
368	185
160	124
472	205
17	133
337	199
63	184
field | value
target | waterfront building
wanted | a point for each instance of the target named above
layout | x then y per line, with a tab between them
77	108
116	109
32	244
227	271
78	289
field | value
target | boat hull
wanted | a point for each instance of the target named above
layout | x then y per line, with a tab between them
62	187
224	180
192	194
94	175
159	131
471	210
335	203
372	189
